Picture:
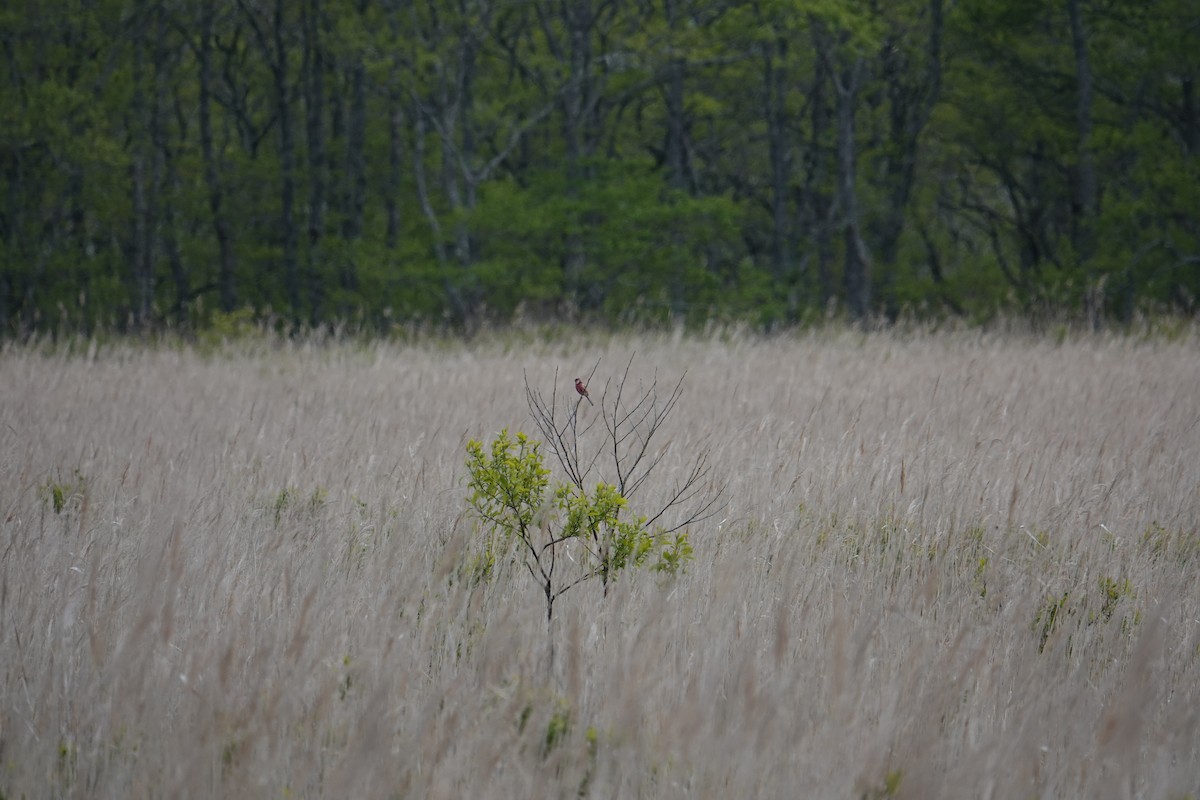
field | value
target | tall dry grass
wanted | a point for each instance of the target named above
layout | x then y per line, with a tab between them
950	565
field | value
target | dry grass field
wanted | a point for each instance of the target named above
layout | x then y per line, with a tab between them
948	565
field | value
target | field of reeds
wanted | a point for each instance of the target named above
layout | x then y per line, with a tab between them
946	565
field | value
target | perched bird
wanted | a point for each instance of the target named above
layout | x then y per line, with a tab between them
579	387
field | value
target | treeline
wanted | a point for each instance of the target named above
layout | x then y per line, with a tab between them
382	161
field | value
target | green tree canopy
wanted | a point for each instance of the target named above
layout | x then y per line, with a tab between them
380	161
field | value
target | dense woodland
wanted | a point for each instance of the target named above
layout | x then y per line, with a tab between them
379	162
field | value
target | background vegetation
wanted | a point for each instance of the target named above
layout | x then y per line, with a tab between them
376	162
953	565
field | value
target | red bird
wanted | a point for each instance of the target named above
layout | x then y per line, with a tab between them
579	387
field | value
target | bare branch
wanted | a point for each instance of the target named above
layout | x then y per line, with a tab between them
563	436
623	445
632	420
697	487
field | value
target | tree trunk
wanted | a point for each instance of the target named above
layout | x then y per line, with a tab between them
575	103
454	300
356	164
777	150
287	164
226	290
856	275
817	199
169	180
140	245
910	108
1085	183
675	147
1189	115
395	171
453	167
274	47
676	144
313	70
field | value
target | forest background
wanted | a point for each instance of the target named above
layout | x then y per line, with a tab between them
375	163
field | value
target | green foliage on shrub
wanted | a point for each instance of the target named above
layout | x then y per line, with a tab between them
59	494
888	787
1114	595
1183	546
512	495
1048	616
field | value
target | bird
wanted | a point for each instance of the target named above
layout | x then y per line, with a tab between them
579	387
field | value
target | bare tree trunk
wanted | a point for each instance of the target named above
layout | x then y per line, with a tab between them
140	245
275	54
818	201
1085	184
856	275
676	144
356	164
314	95
168	180
461	195
773	105
453	295
435	226
675	147
578	15
287	164
675	155
225	270
449	108
911	104
1189	115
6	301
174	257
395	170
